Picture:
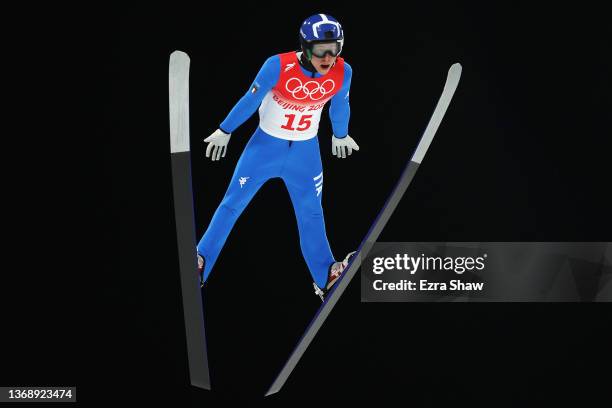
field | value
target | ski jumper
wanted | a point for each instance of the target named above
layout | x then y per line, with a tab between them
285	145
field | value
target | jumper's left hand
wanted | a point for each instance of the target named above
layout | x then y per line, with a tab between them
341	145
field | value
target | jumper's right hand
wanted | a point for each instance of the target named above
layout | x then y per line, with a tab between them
217	142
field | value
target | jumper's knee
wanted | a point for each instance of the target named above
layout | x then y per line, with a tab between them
229	210
311	214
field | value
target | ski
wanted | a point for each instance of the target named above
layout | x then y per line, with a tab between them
452	80
185	220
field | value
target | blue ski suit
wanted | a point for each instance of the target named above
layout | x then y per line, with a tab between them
289	151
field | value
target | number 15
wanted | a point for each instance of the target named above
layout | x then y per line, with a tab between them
303	124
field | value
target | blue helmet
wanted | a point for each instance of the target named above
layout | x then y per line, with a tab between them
321	28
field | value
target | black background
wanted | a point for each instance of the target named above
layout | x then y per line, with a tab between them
522	155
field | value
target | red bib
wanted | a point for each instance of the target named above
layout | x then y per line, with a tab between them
296	87
292	108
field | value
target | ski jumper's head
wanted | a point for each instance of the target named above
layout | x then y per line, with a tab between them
321	38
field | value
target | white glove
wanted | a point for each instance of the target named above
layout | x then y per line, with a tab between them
339	146
217	142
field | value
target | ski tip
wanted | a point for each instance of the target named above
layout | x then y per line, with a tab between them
178	54
455	68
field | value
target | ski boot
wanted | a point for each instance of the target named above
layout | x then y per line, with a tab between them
201	264
335	271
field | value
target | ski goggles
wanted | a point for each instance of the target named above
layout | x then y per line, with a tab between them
322	49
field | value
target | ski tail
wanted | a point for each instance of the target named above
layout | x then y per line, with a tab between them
185	219
452	80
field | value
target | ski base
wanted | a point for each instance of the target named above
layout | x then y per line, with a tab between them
185	220
410	170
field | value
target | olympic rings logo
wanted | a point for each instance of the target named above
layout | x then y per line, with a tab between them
311	89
